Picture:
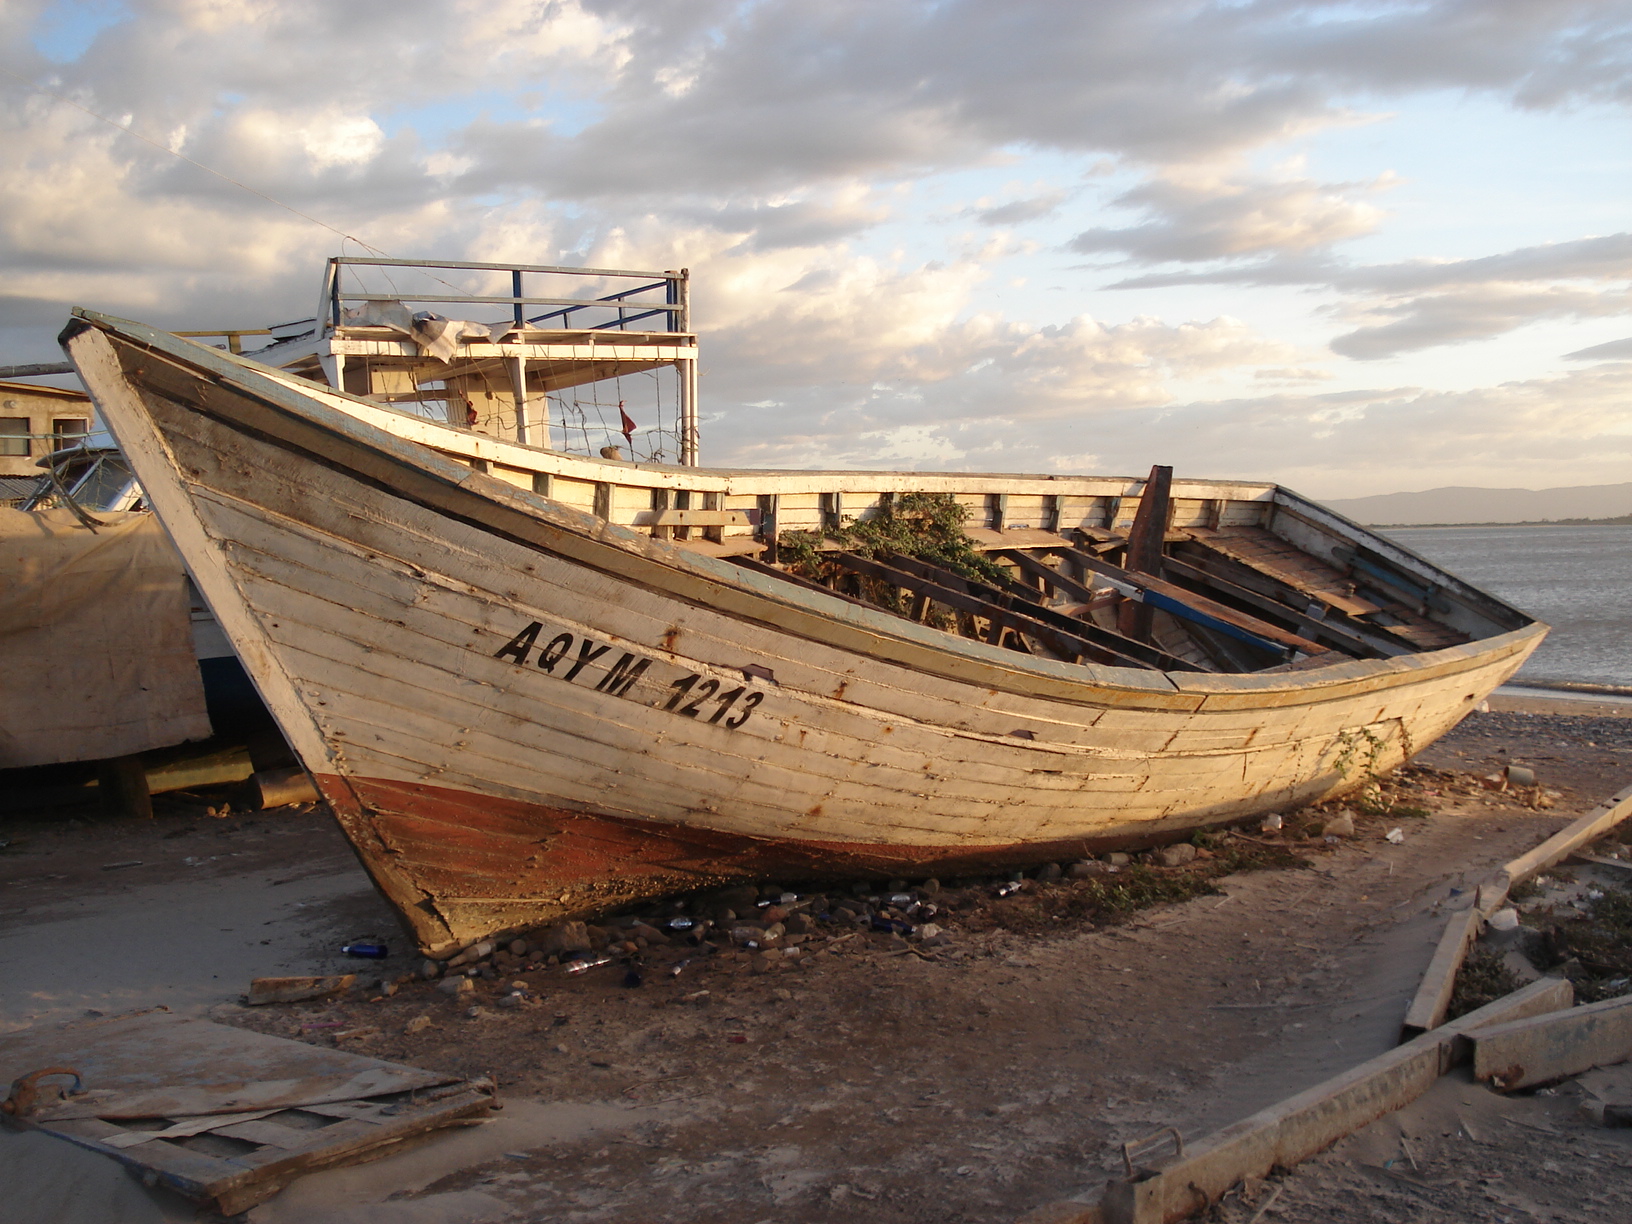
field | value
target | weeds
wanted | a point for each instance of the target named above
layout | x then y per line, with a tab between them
924	526
1482	979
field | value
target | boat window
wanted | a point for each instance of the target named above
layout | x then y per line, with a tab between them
14	437
105	486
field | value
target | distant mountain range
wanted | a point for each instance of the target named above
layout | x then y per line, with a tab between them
1466	505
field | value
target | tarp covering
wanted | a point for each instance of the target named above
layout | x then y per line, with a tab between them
96	647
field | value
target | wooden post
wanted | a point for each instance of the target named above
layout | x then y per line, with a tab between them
1145	547
122	785
518	382
688	372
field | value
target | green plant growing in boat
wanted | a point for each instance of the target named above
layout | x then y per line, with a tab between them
927	527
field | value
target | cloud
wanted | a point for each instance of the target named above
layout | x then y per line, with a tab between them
775	148
1018	212
1196	217
1615	350
1573	429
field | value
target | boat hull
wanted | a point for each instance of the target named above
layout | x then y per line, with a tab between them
519	713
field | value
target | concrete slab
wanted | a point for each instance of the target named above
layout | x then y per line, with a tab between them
1534	1051
1291	1131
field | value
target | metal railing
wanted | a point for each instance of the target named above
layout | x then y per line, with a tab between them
675	305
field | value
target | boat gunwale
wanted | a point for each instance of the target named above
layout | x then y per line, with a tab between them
675	568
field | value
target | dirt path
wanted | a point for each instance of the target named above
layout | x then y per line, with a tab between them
869	1083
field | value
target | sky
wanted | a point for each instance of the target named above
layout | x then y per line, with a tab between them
1352	247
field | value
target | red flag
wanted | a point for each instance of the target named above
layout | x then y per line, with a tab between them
628	424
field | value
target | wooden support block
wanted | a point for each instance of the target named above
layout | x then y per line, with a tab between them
296	989
1551	1047
1433	995
279	787
122	785
1298	1127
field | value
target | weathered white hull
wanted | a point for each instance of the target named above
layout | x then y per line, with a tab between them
519	712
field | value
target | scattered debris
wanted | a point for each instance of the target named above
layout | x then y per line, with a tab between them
296	989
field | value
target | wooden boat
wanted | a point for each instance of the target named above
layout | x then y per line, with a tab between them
533	686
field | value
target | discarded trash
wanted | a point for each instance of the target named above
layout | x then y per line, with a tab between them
1271	823
1506	919
587	963
1007	889
678	967
1341	826
456	985
367	951
900	899
1519	775
1395	835
680	924
117	866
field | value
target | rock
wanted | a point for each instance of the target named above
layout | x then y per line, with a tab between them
517	947
1116	859
417	1025
430	970
1342	826
387	989
929	930
1049	872
1176	855
739	899
897	944
510	1001
897	886
474	1012
773	913
1086	869
800	924
456	985
760	963
930	887
649	933
563	938
599	937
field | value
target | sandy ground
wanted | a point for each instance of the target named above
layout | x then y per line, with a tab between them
869	1084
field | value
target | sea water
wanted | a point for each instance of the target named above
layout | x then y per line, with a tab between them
1577	579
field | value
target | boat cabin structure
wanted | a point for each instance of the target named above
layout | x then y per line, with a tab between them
502	348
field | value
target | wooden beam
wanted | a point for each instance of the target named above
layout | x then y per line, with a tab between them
1150	523
1341	637
1187	605
1135	618
1124	651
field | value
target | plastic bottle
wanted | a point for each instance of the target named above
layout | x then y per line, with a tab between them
368	951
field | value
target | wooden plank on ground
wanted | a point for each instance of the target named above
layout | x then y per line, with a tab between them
203	1079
